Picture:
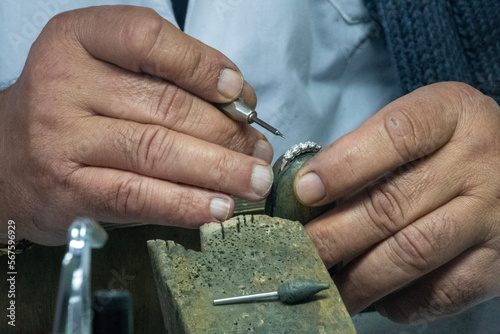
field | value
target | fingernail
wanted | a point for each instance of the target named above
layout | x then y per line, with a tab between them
309	188
230	83
263	150
219	208
262	180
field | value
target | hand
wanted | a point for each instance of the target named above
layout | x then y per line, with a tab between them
418	191
112	118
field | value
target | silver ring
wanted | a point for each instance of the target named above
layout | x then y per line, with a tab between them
299	149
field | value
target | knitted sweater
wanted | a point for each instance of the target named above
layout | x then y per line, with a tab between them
443	40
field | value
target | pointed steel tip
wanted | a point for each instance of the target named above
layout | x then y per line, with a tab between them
268	127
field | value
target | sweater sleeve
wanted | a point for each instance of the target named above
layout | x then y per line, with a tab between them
443	40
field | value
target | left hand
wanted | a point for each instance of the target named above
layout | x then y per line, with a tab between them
418	191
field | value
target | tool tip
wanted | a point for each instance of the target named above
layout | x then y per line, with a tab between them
267	127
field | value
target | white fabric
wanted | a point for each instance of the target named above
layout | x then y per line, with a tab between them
22	21
318	67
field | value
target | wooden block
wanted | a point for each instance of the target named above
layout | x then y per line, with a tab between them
244	255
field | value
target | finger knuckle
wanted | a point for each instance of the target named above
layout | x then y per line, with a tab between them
235	137
217	175
180	207
59	22
471	103
130	198
478	111
243	140
174	108
197	65
386	205
142	33
462	93
153	150
412	250
58	34
209	66
491	105
424	120
194	58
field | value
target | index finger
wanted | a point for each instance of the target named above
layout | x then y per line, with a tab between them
139	40
405	130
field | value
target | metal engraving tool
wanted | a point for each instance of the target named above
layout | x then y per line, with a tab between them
239	111
289	292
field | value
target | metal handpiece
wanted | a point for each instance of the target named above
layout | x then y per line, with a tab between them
73	310
239	111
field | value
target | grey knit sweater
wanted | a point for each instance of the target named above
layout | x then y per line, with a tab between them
443	40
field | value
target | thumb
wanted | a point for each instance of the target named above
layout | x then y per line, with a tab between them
139	40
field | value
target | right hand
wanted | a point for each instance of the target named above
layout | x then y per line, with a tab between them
112	118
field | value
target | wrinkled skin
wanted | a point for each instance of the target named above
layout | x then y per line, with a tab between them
418	187
112	118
